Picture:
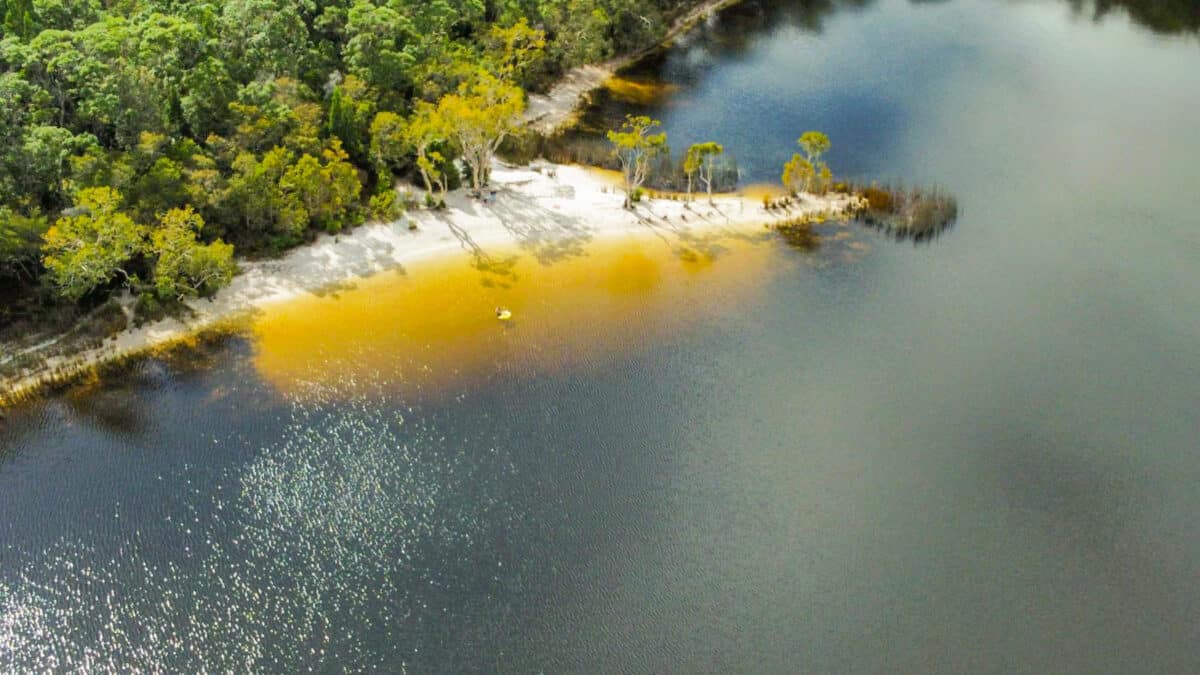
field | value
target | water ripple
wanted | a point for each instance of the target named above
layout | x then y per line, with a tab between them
333	548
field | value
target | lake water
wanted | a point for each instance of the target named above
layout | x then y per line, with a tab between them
980	453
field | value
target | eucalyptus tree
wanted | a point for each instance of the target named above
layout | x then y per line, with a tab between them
701	159
380	46
422	134
634	145
263	39
20	243
814	144
480	116
92	245
515	51
807	172
323	194
184	267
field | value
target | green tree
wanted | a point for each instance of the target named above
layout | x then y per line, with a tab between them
304	183
44	158
351	107
815	144
634	145
327	194
515	51
270	114
582	29
701	158
380	45
255	202
208	91
343	208
184	267
18	18
425	131
443	66
155	180
388	143
94	244
20	243
263	39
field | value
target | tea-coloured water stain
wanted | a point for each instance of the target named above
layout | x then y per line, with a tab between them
434	325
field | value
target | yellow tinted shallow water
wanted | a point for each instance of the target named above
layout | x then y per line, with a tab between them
432	328
643	93
757	191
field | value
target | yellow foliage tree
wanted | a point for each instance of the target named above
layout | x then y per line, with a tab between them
186	268
91	245
479	117
634	146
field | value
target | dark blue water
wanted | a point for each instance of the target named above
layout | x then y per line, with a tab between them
981	454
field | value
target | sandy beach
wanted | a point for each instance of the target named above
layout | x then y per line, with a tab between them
543	211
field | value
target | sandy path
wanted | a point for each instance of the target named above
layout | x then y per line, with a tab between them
545	214
547	113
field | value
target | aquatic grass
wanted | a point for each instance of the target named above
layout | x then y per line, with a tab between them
906	213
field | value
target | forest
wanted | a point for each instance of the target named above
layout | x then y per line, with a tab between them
144	142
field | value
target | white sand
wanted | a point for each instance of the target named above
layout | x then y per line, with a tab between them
549	112
538	213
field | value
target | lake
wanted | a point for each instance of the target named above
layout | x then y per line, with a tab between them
977	453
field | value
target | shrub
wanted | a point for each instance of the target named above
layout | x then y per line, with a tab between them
878	199
148	308
385	206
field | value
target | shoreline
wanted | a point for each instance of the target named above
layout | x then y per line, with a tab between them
546	114
558	109
538	210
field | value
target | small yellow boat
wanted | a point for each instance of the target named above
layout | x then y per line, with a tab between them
503	313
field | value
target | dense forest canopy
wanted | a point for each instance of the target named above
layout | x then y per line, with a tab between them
254	122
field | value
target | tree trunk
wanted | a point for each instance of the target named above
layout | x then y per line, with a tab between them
629	180
424	173
708	179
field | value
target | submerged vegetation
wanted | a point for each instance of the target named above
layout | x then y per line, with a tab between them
912	213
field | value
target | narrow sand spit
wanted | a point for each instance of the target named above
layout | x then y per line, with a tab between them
538	211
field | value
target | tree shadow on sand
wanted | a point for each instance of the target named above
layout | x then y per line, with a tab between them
543	233
497	272
698	235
